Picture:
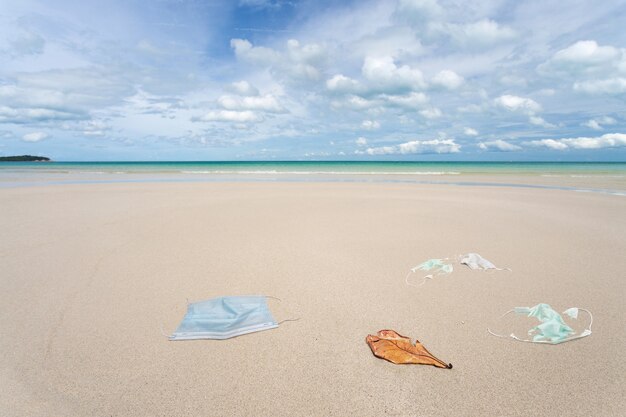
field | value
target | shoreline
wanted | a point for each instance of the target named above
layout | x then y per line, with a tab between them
574	183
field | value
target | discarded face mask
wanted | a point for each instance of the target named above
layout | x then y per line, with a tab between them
225	317
475	261
552	330
398	349
436	265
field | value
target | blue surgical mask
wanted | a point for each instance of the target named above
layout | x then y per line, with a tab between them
225	317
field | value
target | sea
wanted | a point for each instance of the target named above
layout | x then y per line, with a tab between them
606	177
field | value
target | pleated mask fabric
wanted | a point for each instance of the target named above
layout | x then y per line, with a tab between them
225	317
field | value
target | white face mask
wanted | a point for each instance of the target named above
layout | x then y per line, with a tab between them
475	261
225	317
552	330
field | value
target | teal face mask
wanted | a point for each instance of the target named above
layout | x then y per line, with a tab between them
436	265
225	317
553	329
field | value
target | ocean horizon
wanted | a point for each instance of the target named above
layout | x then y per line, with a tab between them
317	167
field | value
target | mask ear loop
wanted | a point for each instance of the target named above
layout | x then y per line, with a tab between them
282	321
584	333
411	271
512	335
501	335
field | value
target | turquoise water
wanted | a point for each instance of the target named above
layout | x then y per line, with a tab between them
333	168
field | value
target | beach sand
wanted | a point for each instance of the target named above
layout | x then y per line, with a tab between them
91	274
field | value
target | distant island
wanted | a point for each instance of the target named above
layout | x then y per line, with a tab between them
24	158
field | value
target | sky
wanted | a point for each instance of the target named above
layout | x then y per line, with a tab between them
313	80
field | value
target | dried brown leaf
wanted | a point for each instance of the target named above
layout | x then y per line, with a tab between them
398	349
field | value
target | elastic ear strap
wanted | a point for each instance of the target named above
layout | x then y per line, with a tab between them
501	335
512	336
282	321
406	280
590	318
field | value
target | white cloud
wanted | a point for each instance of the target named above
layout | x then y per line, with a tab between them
395	41
379	102
468	131
342	84
499	145
448	79
584	57
356	103
34	136
41	96
596	69
305	60
313	54
593	124
34	115
605	86
432	113
361	141
297	62
549	143
256	54
95	128
145	103
267	103
518	104
480	34
598	123
539	121
472	108
370	124
411	100
609	140
417	147
384	76
229	116
586	52
244	88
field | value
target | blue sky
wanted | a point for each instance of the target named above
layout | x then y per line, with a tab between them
277	80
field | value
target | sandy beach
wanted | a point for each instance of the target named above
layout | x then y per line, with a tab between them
91	274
